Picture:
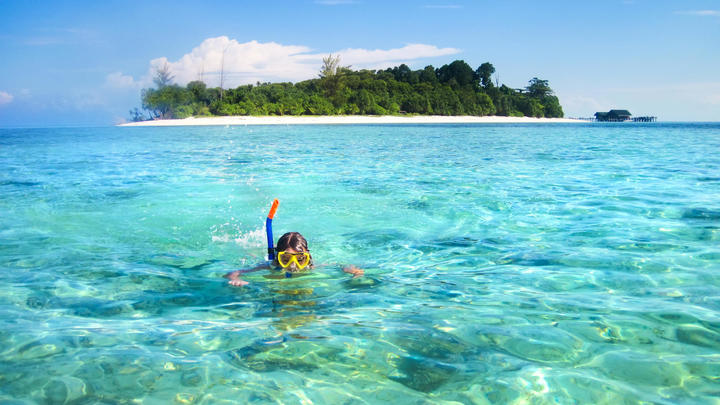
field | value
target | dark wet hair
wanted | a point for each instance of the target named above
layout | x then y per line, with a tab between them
295	241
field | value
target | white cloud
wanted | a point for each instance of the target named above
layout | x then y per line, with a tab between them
379	58
702	13
5	98
250	62
240	63
121	81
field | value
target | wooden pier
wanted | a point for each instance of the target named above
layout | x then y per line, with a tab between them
644	119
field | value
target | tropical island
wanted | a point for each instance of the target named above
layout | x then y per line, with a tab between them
454	89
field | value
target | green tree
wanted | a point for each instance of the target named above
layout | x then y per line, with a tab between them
330	66
552	107
530	107
198	91
402	73
163	77
136	115
428	75
163	102
484	74
538	88
331	78
458	70
319	105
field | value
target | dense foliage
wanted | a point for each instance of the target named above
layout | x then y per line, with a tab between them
453	89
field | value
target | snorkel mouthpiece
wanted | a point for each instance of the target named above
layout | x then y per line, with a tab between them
268	229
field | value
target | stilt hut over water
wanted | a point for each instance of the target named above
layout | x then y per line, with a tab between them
613	116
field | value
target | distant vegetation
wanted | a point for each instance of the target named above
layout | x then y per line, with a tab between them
453	89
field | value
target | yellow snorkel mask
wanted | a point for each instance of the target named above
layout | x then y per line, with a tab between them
301	259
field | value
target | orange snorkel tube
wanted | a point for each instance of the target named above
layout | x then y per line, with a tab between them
268	229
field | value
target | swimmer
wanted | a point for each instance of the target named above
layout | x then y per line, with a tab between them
291	256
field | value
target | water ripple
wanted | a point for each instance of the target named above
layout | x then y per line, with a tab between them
504	264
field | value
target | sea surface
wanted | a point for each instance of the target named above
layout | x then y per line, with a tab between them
538	264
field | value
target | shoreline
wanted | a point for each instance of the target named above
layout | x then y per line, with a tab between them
344	120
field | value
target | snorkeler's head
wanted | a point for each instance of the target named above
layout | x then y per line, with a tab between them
293	242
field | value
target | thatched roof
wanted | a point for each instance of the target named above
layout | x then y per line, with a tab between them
613	115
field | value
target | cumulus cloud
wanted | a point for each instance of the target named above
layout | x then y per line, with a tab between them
238	63
121	81
249	62
5	98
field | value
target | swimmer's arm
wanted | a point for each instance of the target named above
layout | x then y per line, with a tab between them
234	276
355	271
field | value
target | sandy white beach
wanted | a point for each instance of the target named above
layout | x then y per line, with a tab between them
346	119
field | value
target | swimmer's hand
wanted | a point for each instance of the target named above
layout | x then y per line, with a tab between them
355	271
234	276
235	279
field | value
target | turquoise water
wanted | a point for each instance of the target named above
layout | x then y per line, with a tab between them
504	264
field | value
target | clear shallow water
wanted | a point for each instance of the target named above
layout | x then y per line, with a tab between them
523	264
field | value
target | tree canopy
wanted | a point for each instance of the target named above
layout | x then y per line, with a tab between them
452	89
484	73
163	77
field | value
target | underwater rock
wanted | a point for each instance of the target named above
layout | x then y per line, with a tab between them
421	374
64	390
418	205
431	344
239	357
702	213
94	308
36	302
381	238
529	259
40	349
275	364
640	368
698	337
192	378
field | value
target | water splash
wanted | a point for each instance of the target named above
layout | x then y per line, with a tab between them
228	233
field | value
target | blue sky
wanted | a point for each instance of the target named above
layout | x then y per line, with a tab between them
84	62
